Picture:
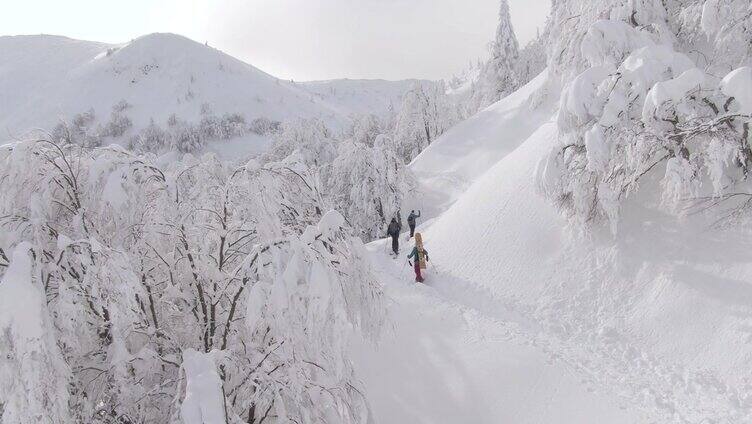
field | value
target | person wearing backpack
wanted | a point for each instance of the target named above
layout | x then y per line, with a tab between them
393	231
418	253
411	222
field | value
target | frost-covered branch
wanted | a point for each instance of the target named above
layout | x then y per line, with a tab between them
141	268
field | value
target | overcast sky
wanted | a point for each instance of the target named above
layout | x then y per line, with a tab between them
296	39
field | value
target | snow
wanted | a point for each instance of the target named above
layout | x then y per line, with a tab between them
738	84
580	98
607	42
204	400
597	150
710	20
113	191
458	360
255	306
20	299
453	161
331	222
239	147
673	90
524	320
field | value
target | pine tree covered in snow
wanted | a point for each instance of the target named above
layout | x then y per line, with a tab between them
498	78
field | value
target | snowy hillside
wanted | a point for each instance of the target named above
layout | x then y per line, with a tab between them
552	296
451	163
46	79
540	324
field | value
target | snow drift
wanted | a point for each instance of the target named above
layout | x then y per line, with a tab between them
660	315
452	162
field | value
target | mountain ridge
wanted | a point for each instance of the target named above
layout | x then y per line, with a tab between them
161	74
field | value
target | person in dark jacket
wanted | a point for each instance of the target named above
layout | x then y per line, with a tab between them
411	222
417	253
393	231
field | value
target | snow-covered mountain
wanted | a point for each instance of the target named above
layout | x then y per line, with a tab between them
45	79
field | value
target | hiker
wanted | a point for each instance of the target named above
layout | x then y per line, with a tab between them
417	253
393	231
411	222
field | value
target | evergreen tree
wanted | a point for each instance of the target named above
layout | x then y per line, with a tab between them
498	77
505	52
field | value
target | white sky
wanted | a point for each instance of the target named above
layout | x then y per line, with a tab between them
297	39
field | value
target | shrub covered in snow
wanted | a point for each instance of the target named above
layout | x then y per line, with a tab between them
117	126
365	129
186	138
150	139
264	126
81	130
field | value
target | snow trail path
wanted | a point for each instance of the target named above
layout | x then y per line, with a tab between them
455	352
451	354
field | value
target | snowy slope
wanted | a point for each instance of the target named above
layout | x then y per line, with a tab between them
44	79
661	316
451	163
655	326
158	74
453	357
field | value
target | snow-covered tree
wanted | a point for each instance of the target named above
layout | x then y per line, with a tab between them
81	130
646	100
185	138
531	62
365	129
264	126
33	373
425	114
368	184
306	146
232	125
727	25
142	284
151	138
498	77
118	124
